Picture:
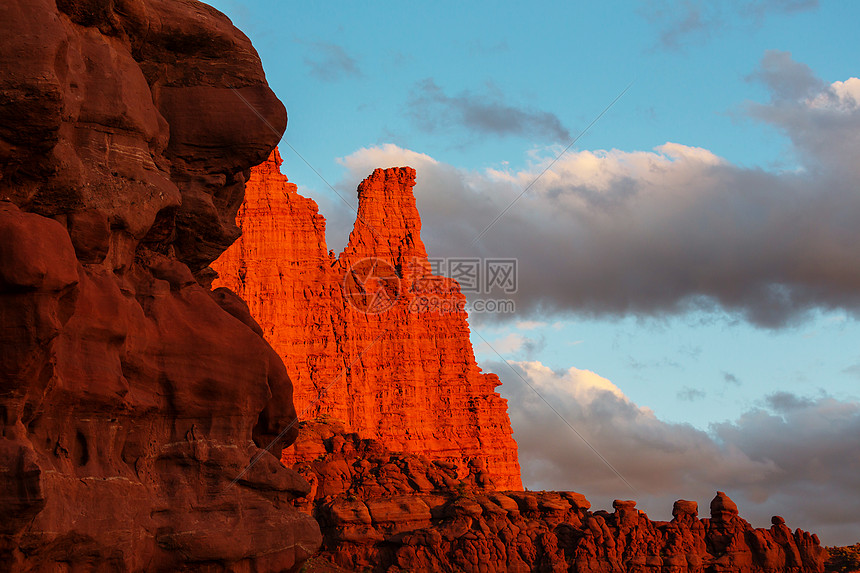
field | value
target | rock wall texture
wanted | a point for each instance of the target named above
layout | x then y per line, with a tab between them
135	404
143	414
390	512
371	338
405	446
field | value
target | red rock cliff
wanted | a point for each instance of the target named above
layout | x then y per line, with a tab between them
358	342
386	512
405	444
138	409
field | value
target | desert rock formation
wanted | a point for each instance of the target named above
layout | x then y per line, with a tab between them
385	511
134	403
371	338
143	413
405	472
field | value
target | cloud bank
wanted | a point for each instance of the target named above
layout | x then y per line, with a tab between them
794	456
613	232
676	228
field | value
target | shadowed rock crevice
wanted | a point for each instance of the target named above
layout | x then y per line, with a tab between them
134	399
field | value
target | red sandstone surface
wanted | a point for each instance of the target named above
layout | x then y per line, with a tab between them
357	344
132	399
406	473
140	410
385	511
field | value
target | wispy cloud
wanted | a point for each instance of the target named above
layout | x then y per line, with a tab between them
681	23
482	114
731	378
784	402
691	394
786	79
330	62
506	345
853	370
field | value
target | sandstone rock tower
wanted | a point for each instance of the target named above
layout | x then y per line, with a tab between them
357	343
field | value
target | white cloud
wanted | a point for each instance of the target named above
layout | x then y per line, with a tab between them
613	232
841	97
530	324
507	345
582	385
798	457
383	156
848	91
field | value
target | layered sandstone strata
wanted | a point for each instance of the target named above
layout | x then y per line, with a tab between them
389	512
371	338
135	404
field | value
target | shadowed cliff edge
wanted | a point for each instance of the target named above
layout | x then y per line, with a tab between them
131	397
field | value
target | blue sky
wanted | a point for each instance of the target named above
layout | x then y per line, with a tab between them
751	368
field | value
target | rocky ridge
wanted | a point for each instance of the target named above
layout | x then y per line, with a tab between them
391	512
371	338
387	498
139	409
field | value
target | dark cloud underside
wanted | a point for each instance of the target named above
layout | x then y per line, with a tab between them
799	457
433	109
614	232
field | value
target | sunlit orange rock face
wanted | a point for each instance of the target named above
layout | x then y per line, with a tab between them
357	340
405	444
